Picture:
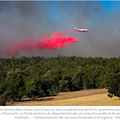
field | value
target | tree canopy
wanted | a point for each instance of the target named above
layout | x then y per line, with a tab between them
39	76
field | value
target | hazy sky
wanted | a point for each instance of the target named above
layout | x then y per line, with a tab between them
24	19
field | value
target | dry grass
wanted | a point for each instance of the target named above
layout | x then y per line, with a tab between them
94	100
94	97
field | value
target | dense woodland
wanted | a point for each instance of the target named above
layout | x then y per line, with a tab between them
39	76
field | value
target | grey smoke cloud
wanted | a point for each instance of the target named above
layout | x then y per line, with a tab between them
22	19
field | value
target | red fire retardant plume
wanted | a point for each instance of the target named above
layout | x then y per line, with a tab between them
47	42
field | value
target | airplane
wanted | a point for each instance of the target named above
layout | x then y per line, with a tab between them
80	30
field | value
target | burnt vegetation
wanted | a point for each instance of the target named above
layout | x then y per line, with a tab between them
38	76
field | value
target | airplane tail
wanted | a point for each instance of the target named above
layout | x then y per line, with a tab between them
75	28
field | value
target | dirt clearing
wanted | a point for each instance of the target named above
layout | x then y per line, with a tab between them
94	97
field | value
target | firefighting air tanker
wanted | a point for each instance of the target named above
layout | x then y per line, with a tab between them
80	30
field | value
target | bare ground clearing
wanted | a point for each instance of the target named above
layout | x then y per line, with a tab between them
77	98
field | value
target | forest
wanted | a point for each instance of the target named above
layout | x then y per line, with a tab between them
39	76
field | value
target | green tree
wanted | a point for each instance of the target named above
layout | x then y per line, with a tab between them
63	85
114	88
77	82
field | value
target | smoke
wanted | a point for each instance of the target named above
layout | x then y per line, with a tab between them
50	42
22	19
103	36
